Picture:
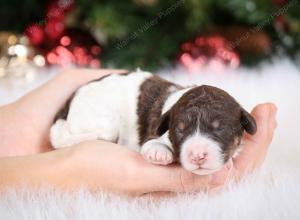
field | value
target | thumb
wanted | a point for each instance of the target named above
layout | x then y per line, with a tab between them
255	147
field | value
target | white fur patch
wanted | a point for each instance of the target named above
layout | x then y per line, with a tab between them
173	98
199	143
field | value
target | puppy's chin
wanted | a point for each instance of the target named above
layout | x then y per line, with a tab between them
204	171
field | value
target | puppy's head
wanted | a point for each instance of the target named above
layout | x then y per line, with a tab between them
205	127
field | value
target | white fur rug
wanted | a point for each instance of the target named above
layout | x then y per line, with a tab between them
273	193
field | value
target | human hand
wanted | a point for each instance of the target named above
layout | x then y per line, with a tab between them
111	167
26	130
25	123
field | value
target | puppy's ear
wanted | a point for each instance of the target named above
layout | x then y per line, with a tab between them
248	122
163	124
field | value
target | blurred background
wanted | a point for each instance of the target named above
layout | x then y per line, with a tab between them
150	34
250	48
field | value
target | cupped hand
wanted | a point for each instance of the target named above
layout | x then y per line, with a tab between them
121	170
99	164
25	123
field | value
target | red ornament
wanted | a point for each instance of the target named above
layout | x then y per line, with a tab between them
208	51
54	28
64	47
35	34
76	47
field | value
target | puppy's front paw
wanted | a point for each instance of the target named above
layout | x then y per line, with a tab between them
157	153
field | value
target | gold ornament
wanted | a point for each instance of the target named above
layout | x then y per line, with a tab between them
17	57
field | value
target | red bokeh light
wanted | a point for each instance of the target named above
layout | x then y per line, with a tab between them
65	41
208	51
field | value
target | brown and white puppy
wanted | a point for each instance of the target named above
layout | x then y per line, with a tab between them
201	127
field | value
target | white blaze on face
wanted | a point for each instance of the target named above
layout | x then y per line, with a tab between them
200	154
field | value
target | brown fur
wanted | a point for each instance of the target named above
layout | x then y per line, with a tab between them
153	94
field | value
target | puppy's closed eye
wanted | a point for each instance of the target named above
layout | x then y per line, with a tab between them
181	126
215	124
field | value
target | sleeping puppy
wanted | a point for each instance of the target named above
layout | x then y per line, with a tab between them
200	127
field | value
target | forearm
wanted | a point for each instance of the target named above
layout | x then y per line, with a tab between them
35	170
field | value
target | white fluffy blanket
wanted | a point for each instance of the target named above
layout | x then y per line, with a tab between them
273	193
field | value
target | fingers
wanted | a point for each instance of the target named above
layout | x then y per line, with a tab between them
255	146
83	76
173	178
222	176
185	181
265	116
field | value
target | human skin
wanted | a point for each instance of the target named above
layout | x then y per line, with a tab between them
28	158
